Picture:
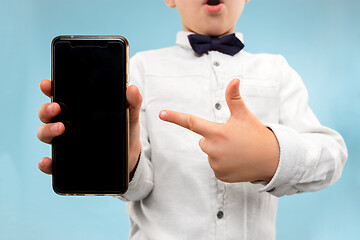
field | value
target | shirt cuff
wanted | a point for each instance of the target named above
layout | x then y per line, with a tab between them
141	181
291	165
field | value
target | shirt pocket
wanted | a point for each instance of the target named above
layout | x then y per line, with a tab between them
185	94
261	96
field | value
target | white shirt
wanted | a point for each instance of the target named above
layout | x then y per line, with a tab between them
174	193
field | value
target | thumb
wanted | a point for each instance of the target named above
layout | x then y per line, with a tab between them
134	99
233	98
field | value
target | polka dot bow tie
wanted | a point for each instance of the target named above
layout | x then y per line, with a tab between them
228	44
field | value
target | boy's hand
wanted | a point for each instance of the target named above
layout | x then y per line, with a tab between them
240	150
49	130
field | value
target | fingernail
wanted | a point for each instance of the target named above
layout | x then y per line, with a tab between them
163	114
237	84
54	127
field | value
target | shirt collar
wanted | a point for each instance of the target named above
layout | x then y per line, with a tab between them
183	41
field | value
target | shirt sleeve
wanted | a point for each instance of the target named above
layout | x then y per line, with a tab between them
142	182
312	156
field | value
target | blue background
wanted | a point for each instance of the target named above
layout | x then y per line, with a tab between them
319	38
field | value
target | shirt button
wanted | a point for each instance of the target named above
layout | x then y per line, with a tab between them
218	106
216	63
220	214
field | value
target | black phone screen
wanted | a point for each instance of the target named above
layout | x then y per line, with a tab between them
89	79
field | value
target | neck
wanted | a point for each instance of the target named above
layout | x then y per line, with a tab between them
218	35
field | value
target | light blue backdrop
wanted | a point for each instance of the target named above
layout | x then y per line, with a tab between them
319	38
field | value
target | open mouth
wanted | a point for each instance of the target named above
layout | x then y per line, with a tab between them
214	6
213	2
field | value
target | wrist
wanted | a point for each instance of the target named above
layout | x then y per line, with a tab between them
271	161
133	169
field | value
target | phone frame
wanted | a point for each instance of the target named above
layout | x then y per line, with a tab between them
96	37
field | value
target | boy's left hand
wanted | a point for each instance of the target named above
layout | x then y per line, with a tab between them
240	150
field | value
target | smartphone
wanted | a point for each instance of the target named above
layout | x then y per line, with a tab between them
89	82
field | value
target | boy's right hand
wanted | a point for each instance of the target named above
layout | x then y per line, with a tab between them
49	130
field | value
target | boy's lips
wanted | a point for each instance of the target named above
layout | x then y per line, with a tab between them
213	8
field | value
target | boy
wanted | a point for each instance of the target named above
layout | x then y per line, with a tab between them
267	134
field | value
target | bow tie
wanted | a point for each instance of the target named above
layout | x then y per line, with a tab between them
228	44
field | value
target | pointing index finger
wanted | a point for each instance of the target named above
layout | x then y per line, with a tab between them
193	123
